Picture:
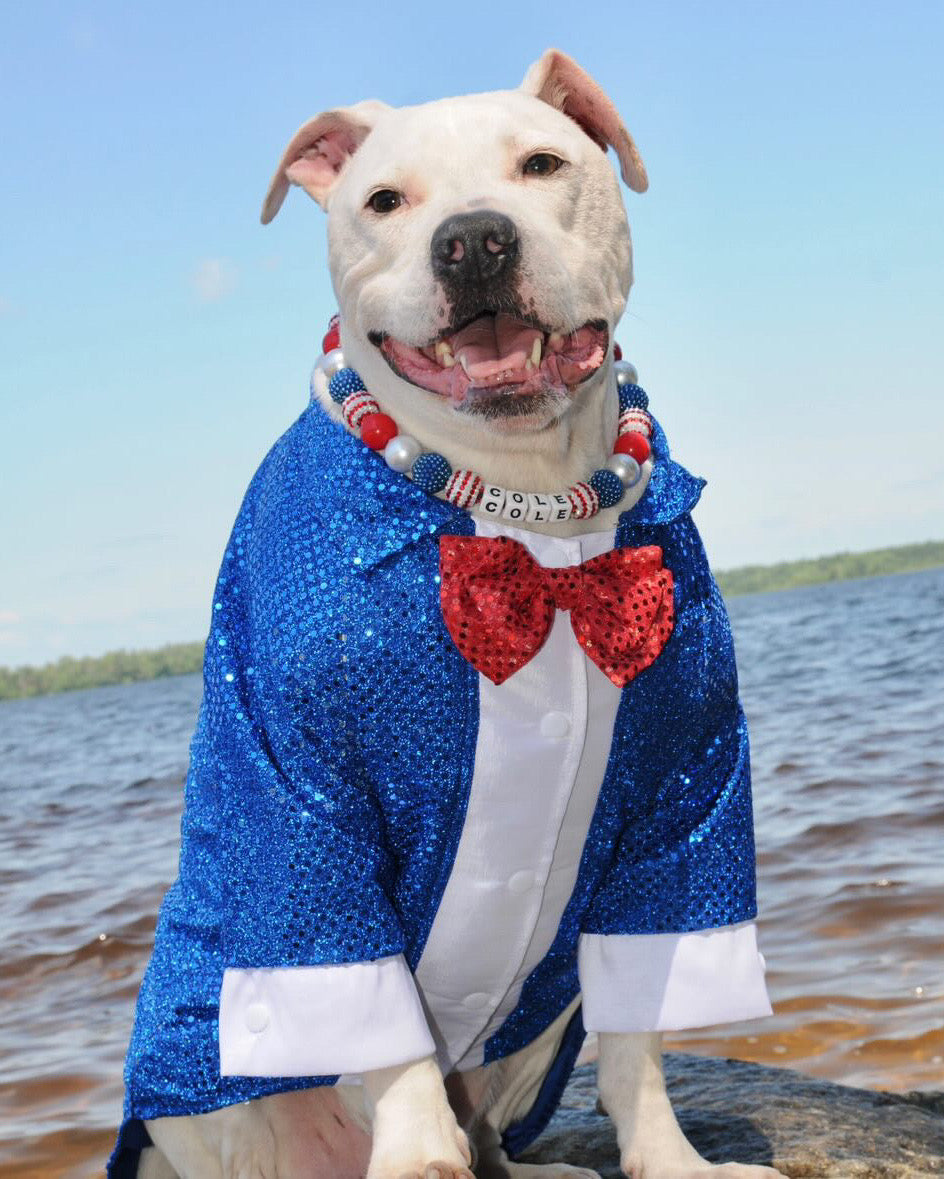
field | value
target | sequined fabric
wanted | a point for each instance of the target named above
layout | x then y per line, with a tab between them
331	764
498	604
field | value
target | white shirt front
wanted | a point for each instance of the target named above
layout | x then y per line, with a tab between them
543	744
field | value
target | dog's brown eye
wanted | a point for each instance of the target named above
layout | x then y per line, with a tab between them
385	200
542	163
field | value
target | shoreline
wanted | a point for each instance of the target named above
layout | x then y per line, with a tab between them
71	673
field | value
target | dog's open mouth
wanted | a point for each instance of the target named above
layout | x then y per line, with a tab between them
496	354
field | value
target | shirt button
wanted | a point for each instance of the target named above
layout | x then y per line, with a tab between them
257	1017
475	1001
555	724
521	882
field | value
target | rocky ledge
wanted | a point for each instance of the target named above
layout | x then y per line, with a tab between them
738	1112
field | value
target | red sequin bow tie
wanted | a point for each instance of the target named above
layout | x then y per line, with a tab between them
498	604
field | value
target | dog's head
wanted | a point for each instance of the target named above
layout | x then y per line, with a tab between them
478	246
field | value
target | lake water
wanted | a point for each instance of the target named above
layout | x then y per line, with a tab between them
844	688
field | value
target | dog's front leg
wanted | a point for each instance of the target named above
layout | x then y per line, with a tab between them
415	1132
651	1142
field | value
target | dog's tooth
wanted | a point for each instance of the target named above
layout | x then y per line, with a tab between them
529	365
536	351
444	354
465	364
555	341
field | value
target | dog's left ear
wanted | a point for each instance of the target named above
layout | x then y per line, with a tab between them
557	80
318	151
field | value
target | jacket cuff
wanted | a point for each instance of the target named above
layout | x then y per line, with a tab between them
304	1021
668	981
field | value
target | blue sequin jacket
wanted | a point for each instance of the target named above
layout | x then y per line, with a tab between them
333	755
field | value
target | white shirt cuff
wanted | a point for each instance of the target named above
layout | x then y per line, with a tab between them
667	981
303	1021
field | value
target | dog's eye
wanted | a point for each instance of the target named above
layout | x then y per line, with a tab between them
385	200
542	163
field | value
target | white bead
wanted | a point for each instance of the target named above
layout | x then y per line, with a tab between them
626	467
625	373
516	505
332	363
539	507
401	452
561	508
493	499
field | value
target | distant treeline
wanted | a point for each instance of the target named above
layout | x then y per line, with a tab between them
125	667
906	558
117	667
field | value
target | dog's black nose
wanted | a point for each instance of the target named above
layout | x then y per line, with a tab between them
474	248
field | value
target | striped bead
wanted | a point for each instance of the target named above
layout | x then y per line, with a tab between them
431	472
633	397
635	419
608	486
583	500
356	406
464	489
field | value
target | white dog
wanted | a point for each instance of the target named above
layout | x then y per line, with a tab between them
481	256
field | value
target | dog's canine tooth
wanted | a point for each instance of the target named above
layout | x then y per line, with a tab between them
536	351
555	341
465	364
444	354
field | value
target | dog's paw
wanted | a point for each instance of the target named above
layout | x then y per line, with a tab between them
438	1170
635	1168
538	1171
433	1152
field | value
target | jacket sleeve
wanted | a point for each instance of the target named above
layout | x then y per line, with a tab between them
684	858
315	980
669	940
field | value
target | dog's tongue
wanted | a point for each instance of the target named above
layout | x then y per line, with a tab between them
494	344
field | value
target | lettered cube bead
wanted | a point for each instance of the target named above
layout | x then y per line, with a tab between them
560	508
493	499
516	505
539	507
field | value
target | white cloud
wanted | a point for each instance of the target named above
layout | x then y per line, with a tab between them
214	279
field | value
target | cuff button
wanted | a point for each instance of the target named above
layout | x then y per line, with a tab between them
257	1017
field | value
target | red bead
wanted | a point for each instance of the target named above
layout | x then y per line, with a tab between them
634	444
377	429
617	352
332	340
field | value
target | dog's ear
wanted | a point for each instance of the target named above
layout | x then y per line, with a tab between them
557	80
318	151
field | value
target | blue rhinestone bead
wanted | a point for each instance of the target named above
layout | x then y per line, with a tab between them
632	397
431	472
608	486
343	384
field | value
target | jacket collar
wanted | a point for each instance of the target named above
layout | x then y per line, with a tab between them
371	512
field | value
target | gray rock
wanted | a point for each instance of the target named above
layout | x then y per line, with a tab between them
738	1112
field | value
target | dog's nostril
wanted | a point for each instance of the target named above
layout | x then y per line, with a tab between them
458	251
495	247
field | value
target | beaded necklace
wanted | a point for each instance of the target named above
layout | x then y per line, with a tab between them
433	473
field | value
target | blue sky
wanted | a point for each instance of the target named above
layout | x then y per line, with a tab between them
155	339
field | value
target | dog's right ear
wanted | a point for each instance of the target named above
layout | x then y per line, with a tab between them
318	152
